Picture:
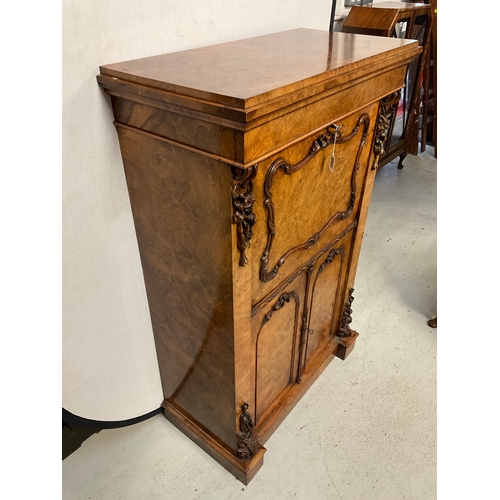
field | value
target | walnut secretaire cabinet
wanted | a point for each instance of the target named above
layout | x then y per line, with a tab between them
249	167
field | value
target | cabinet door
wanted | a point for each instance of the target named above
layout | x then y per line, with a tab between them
277	326
327	291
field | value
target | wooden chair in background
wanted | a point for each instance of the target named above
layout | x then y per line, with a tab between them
415	114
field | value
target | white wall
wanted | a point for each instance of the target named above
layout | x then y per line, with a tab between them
109	364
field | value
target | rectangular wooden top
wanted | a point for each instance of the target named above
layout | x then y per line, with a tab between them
256	70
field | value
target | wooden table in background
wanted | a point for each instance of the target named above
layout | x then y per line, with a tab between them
415	110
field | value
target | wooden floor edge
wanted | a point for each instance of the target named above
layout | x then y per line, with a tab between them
244	470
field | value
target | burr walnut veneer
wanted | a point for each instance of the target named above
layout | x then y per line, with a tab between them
249	167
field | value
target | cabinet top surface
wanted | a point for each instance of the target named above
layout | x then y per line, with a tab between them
254	70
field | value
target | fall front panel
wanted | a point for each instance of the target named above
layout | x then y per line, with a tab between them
307	195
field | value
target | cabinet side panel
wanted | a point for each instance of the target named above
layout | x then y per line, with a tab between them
181	205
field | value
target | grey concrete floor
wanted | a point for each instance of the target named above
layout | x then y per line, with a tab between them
367	427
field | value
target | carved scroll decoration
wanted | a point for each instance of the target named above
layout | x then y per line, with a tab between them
259	305
246	442
243	200
333	134
345	329
329	259
285	298
386	113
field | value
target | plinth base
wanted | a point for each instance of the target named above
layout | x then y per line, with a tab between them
244	470
346	345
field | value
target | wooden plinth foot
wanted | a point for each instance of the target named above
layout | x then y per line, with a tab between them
244	470
346	345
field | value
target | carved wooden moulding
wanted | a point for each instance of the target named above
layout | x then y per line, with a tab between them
333	135
345	329
246	440
249	171
243	200
386	115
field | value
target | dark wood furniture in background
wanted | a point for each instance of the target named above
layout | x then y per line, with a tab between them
249	167
407	20
429	96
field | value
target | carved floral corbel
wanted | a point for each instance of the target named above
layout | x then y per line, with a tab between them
243	200
246	442
386	112
345	329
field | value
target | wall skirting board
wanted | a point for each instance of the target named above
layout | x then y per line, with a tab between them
73	419
75	429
